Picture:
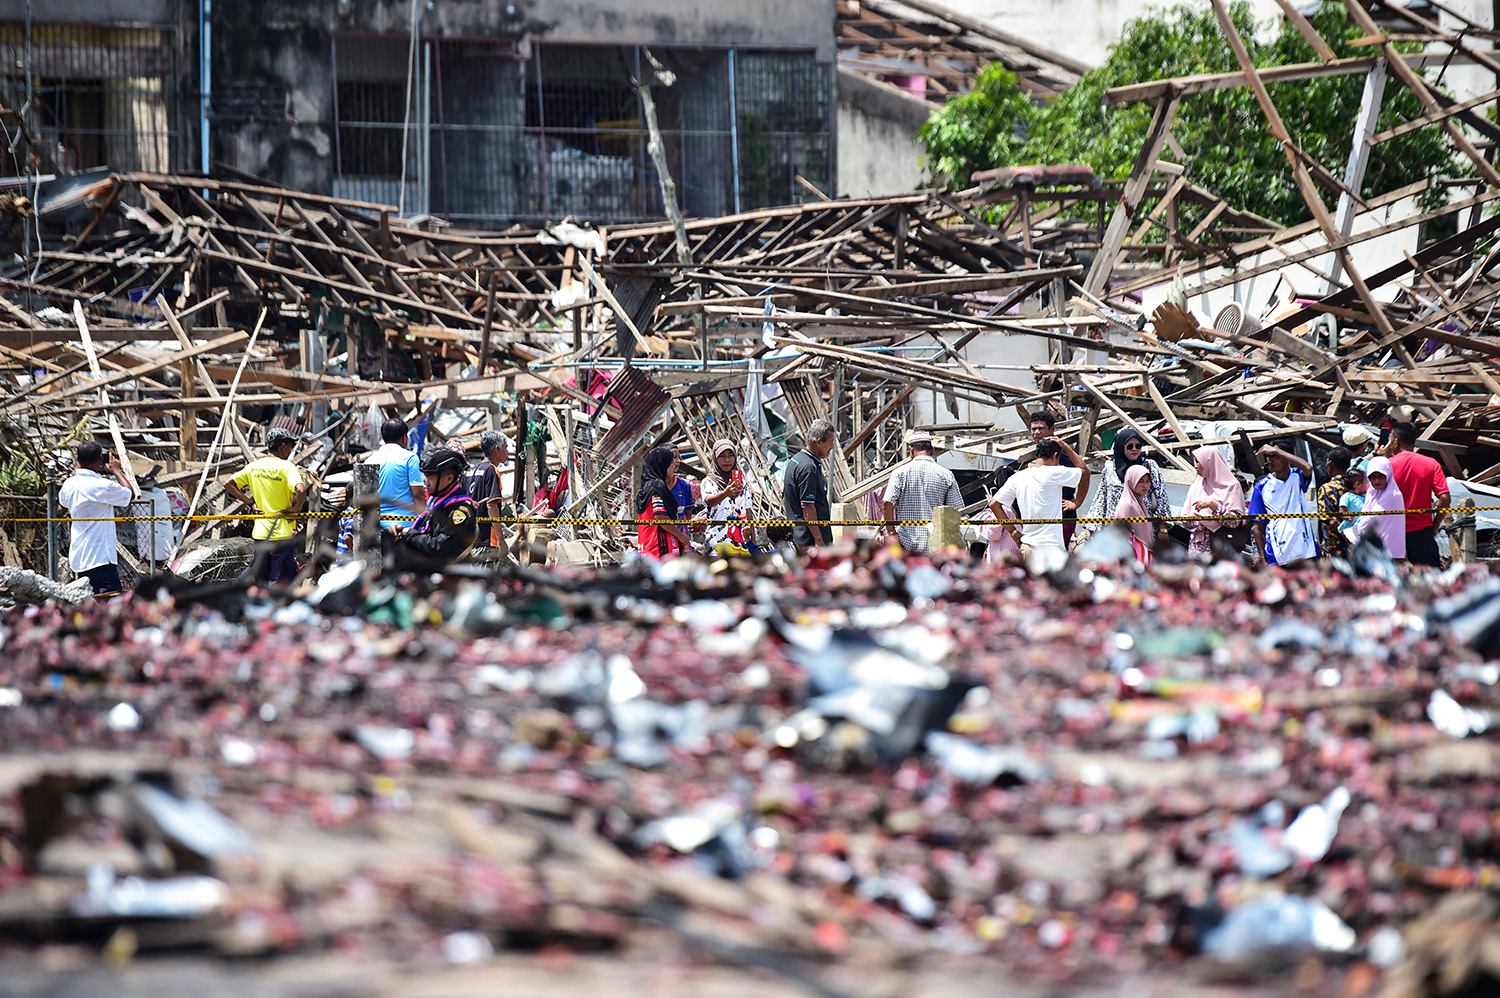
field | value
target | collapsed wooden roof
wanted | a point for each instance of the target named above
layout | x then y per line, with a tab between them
919	40
846	308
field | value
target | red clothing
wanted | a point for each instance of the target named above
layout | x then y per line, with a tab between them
1420	480
652	540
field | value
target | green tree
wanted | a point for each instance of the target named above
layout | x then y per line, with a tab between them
984	128
1229	151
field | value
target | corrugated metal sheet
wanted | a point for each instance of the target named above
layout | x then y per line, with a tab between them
641	401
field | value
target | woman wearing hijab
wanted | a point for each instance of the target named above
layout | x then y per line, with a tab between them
1214	492
1130	449
1382	495
1132	508
728	498
660	538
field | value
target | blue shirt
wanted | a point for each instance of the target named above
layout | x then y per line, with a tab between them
400	470
1257	507
683	493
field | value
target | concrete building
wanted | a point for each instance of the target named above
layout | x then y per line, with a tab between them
480	111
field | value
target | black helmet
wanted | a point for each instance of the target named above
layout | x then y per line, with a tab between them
279	435
440	459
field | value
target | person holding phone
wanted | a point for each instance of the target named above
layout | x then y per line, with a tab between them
728	497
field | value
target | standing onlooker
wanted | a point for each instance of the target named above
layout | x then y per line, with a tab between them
1130	449
728	497
1044	427
1215	492
277	487
93	548
682	488
1423	486
1132	509
1361	444
401	488
482	483
1035	493
660	538
1382	496
1285	539
445	531
1331	499
804	493
916	489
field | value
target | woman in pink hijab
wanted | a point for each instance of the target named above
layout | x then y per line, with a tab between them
1132	507
1382	495
1215	492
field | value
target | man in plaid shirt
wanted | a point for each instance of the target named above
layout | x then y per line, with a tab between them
916	488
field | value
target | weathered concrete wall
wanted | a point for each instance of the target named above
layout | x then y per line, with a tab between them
287	44
878	151
95	11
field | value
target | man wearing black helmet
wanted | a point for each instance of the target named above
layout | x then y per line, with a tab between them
277	487
446	529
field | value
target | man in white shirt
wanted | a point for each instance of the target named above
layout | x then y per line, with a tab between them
93	550
1036	493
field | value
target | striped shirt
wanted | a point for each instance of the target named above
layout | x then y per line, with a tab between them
915	489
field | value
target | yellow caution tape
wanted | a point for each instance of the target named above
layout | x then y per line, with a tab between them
610	521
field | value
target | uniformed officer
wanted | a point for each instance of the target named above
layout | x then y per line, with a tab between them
446	530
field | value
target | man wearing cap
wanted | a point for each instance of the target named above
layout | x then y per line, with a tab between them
90	499
1360	442
916	489
278	489
446	529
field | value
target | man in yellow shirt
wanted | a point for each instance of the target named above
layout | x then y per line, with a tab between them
276	486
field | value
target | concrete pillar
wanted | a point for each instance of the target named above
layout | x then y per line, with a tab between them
845	512
1465	540
365	497
947	528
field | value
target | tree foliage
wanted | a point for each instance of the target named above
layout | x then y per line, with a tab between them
1229	151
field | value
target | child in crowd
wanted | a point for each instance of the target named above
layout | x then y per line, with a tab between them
1353	502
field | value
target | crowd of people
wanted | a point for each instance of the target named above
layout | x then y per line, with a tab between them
1386	490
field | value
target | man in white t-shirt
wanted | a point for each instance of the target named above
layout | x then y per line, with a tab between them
1036	493
91	498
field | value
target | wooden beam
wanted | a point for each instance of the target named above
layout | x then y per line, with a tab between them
1130	198
1202	82
1308	32
113	420
1414	83
1110	404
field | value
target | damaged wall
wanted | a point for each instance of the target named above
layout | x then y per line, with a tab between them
877	137
275	93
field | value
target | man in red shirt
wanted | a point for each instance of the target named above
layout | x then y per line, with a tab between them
1423	486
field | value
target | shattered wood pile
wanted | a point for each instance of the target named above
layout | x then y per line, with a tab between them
875	313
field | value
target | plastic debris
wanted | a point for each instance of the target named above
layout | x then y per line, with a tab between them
1454	719
137	897
189	824
1309	837
123	717
978	765
1278	921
